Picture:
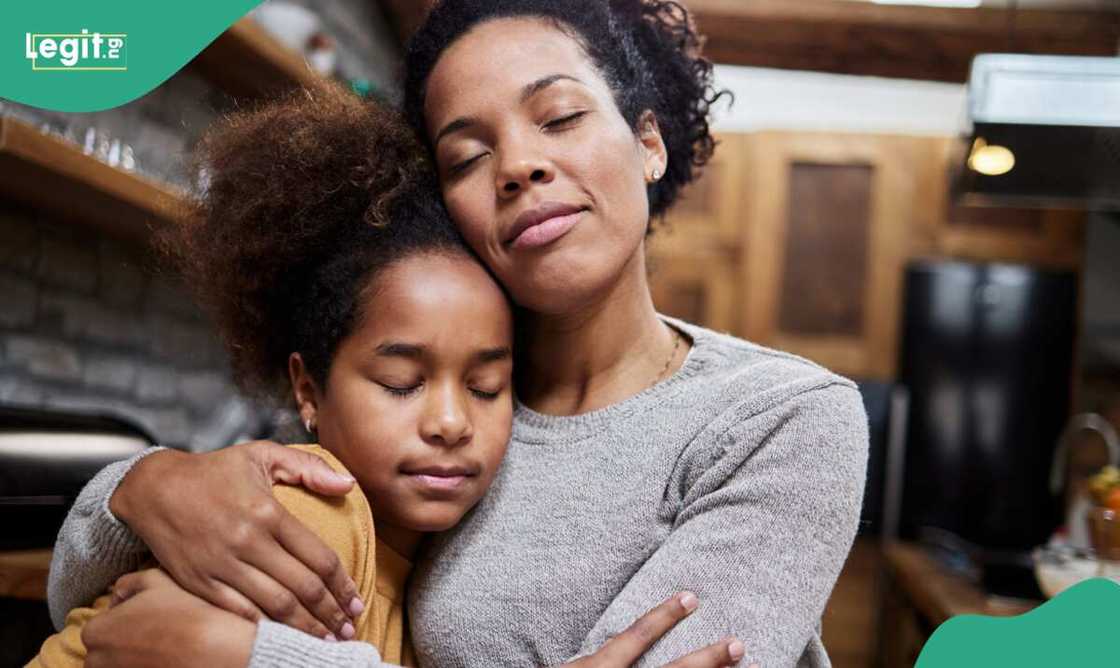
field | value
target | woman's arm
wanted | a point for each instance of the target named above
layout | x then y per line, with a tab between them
159	624
212	522
762	531
94	548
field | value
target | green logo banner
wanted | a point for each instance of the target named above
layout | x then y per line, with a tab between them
77	55
1076	628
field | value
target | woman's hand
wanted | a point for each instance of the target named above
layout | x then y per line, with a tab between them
161	625
627	647
213	524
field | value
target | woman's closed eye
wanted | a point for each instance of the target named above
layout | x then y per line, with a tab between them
564	122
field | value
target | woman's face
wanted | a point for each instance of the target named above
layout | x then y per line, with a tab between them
543	175
418	403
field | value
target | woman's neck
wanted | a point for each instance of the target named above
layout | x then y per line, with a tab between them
601	353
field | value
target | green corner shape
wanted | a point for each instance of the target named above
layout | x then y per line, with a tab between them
1079	627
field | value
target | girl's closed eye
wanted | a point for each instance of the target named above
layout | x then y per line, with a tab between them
400	388
460	167
487	391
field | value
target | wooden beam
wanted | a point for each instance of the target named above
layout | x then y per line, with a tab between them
892	40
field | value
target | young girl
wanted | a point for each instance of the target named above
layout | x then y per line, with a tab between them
322	251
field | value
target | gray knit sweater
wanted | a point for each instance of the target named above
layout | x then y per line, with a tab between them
739	478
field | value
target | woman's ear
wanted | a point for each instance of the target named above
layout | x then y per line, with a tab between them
655	155
305	390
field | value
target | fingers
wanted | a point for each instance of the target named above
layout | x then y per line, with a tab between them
278	603
131	584
333	592
292	467
229	599
92	637
628	646
305	587
726	652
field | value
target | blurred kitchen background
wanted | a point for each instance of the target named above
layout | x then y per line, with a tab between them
943	228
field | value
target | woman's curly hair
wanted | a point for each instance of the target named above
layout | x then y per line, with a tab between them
303	201
648	51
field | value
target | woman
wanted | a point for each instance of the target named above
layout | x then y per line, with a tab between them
648	455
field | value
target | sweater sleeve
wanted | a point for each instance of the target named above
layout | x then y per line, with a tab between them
767	512
279	646
94	548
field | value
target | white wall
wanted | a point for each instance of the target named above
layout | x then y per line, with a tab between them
769	99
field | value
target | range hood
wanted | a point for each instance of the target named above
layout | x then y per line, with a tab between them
1044	131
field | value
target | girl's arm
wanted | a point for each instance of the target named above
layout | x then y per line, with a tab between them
212	522
761	533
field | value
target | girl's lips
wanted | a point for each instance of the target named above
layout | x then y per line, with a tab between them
439	482
546	232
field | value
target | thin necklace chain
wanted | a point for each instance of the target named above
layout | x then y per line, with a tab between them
672	355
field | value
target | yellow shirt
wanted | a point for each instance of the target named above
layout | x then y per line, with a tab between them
345	524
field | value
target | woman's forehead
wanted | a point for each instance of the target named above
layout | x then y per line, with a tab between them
498	60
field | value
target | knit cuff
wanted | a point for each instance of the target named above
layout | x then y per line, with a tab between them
279	646
112	538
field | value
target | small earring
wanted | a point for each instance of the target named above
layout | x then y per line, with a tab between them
656	176
309	425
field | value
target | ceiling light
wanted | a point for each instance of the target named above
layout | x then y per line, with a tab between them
989	159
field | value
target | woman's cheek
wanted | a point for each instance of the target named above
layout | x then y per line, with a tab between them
472	218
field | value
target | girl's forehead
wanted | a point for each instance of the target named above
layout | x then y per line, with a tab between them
420	286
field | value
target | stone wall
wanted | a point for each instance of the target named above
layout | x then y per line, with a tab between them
88	325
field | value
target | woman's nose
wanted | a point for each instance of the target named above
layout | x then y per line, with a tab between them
518	175
445	420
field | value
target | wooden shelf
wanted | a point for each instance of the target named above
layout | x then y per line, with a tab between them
23	574
913	42
53	175
247	62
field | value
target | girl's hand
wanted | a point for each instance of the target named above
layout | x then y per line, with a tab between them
212	523
627	647
161	625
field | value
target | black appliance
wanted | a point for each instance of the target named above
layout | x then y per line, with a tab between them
45	460
886	405
987	353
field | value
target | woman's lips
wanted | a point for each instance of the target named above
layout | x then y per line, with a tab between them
545	232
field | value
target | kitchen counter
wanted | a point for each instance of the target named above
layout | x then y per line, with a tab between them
921	594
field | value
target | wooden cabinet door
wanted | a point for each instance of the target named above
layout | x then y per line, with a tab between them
696	284
708	211
826	242
694	254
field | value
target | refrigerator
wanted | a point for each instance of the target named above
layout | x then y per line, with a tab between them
987	356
